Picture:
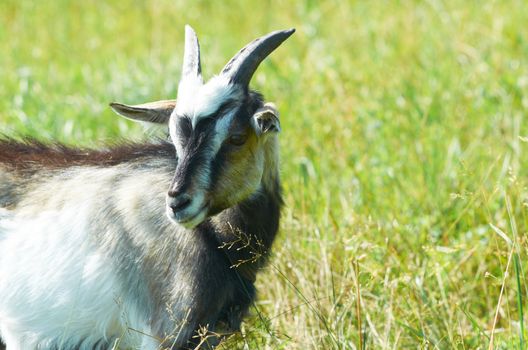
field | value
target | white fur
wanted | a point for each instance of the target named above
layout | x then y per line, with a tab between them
177	139
48	265
55	281
196	100
222	130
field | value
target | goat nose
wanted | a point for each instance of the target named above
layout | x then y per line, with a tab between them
180	202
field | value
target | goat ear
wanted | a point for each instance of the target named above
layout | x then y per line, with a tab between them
266	119
157	112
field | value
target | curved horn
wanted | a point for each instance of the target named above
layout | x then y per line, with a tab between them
191	58
241	67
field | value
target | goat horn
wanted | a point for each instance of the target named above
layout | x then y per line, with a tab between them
191	58
242	66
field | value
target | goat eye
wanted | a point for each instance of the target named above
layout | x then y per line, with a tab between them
238	139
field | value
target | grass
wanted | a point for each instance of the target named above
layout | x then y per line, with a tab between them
403	150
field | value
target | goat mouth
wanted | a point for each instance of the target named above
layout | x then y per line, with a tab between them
193	220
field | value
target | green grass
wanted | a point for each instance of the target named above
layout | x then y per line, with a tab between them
403	150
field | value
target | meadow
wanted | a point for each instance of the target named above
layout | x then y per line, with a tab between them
404	150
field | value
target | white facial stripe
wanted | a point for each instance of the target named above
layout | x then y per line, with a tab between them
221	131
175	136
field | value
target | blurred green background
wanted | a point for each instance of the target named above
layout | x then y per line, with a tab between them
403	150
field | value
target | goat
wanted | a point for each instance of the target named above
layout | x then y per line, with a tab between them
144	245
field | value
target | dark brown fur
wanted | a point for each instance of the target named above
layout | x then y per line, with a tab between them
29	154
